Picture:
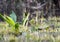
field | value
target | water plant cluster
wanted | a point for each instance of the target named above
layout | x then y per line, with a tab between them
34	30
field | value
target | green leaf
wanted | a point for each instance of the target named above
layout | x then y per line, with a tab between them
8	20
1	16
17	25
13	16
25	19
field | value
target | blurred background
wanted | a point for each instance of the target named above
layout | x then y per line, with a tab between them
47	7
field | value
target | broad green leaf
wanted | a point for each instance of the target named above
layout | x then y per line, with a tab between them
13	16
